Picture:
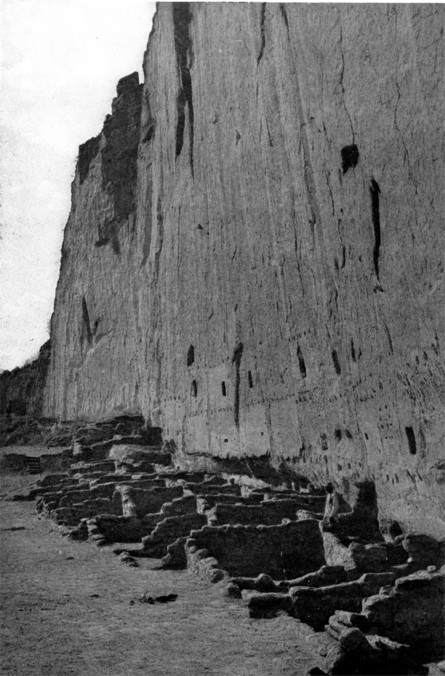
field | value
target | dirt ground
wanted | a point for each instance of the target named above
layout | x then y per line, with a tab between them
66	609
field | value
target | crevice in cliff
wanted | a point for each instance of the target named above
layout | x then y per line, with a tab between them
160	241
86	326
148	136
236	359
354	359
183	48
336	362
262	29
412	445
194	388
388	335
284	15
301	364
375	210
249	376
148	130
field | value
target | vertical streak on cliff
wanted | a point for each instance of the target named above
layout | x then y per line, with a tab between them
375	207
309	179
160	222
183	48
86	322
236	359
263	35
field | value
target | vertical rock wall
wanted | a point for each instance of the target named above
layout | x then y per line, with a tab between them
265	279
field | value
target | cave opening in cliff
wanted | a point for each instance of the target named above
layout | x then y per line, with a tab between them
194	388
223	388
249	377
190	355
412	445
349	157
301	364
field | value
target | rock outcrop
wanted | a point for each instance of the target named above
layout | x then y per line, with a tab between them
254	255
22	388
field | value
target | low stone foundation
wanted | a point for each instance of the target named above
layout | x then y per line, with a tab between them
282	551
364	593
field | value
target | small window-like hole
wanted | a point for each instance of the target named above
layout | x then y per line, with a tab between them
249	376
194	388
349	157
190	355
338	434
411	440
223	389
225	441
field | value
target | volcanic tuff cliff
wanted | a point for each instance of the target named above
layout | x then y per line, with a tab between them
254	253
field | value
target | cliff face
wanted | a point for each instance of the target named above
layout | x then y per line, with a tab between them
254	253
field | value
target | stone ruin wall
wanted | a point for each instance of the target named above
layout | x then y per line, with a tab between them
254	253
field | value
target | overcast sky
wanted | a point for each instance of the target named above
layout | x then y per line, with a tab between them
60	61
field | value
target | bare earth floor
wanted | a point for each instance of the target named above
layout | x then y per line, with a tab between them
65	609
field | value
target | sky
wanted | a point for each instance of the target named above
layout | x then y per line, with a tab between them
60	61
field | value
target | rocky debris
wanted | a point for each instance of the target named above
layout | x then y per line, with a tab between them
206	502
424	550
80	532
325	576
413	611
163	598
137	458
266	605
346	651
314	605
205	488
129	560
